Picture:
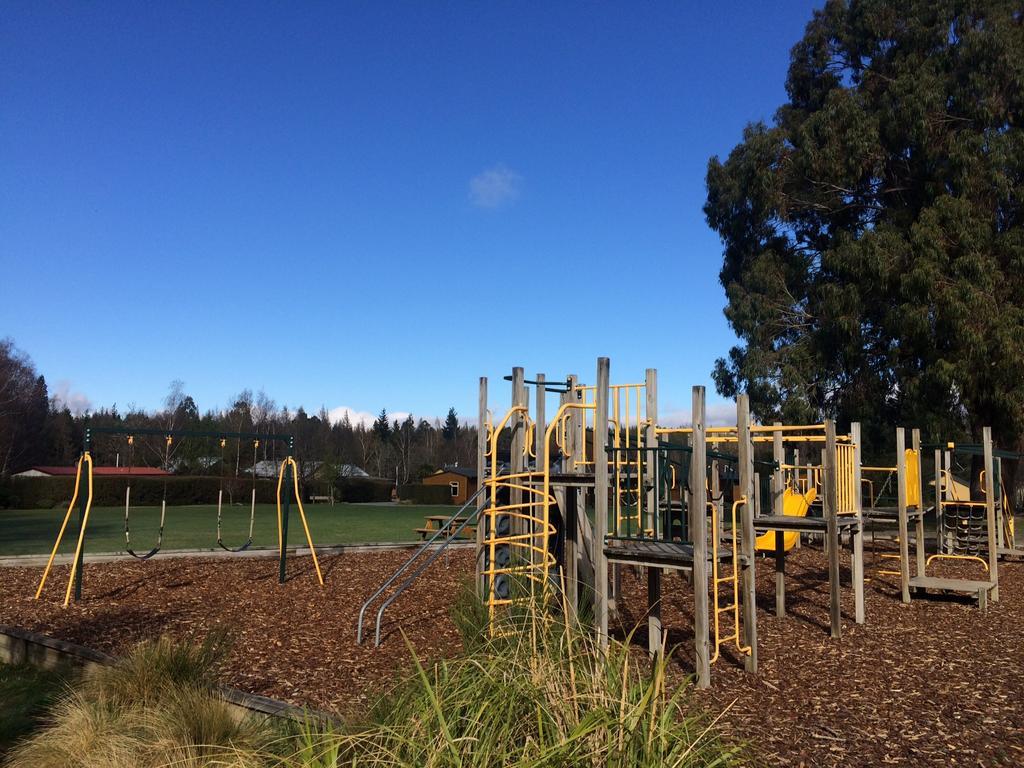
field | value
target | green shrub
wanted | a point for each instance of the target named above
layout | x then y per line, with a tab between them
361	490
48	492
420	493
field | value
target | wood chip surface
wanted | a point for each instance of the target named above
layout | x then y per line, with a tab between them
933	683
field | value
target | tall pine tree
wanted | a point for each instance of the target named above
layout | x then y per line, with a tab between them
873	240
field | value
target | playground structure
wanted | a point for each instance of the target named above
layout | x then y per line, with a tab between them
567	502
288	481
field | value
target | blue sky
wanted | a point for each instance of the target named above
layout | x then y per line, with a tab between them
369	205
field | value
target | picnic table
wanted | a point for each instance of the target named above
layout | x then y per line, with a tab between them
432	524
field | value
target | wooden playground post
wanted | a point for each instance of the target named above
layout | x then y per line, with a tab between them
778	491
601	499
939	535
699	534
1000	540
904	532
584	529
517	450
715	503
919	535
481	475
283	522
990	514
800	487
778	475
857	568
746	472
541	462
654	575
831	508
570	565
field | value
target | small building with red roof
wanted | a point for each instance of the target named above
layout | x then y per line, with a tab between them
96	472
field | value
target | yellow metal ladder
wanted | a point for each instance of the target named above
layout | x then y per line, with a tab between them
732	579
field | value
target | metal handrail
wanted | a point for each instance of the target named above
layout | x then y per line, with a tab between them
444	528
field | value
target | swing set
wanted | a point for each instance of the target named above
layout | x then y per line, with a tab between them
287	483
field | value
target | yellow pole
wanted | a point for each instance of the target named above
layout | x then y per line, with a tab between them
302	516
63	526
81	534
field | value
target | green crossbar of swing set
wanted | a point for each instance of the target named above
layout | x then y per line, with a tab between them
175	433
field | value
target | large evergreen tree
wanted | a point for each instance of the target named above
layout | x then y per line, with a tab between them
873	240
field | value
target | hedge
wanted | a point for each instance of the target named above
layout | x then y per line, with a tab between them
420	493
49	492
359	490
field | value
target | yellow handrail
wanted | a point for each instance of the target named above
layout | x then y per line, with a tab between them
733	579
488	431
955	557
546	497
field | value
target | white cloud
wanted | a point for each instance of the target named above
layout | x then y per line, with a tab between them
495	187
716	415
76	402
362	417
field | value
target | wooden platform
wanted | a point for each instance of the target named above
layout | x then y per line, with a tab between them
800	524
966	586
665	554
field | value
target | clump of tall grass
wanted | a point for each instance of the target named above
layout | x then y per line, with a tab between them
156	707
538	692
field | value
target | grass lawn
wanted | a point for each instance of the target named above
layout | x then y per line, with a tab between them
32	531
25	694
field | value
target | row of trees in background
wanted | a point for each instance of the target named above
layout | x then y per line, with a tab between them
36	429
26	420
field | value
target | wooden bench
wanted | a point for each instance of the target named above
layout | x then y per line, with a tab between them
318	499
965	586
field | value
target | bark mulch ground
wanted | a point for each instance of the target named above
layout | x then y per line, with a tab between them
295	642
932	683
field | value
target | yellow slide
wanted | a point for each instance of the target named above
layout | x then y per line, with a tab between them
794	504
